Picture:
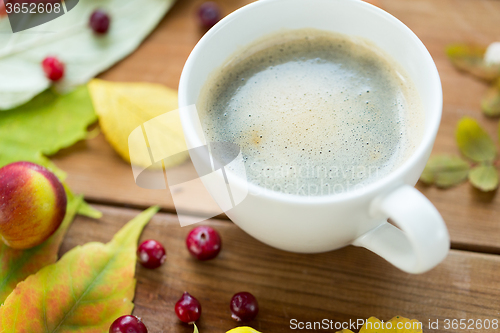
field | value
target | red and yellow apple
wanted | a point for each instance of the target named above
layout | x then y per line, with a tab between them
32	204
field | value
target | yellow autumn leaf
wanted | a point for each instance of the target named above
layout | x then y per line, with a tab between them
243	329
123	107
397	324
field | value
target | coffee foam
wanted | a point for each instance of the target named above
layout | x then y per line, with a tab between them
313	112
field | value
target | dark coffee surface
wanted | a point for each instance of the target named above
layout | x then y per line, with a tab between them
314	113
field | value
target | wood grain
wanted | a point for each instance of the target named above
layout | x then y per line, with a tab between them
472	217
343	285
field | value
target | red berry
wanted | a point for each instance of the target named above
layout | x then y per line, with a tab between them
209	14
188	309
244	306
128	324
53	68
151	254
203	243
99	21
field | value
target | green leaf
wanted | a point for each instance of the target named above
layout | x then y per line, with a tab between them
484	177
474	142
45	125
17	265
445	171
470	58
84	53
86	210
490	104
85	291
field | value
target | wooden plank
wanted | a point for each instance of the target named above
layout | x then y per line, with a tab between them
343	285
95	170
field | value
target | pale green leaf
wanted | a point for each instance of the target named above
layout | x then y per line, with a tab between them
45	125
17	265
474	142
484	177
470	58
86	210
70	39
445	171
195	328
85	291
490	104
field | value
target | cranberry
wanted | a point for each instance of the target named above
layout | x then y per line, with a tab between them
53	68
244	306
203	243
188	309
99	21
128	324
209	14
151	254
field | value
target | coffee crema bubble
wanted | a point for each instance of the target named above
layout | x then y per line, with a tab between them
314	112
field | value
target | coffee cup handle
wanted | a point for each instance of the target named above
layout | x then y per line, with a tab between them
419	242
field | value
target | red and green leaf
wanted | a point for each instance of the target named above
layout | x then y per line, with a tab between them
17	265
87	289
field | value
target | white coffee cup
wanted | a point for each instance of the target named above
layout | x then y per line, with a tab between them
322	223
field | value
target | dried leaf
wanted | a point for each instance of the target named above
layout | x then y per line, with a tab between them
43	126
73	42
445	171
484	177
474	142
397	324
17	265
470	58
490	104
122	107
85	291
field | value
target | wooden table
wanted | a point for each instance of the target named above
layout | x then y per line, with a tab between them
343	285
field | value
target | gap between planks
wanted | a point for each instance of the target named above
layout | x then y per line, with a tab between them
223	217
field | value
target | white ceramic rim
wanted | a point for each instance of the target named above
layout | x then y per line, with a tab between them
420	153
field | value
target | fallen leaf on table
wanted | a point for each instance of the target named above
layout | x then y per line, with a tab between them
17	265
43	126
122	107
243	329
470	58
397	324
474	142
484	177
490	104
74	43
85	291
445	171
